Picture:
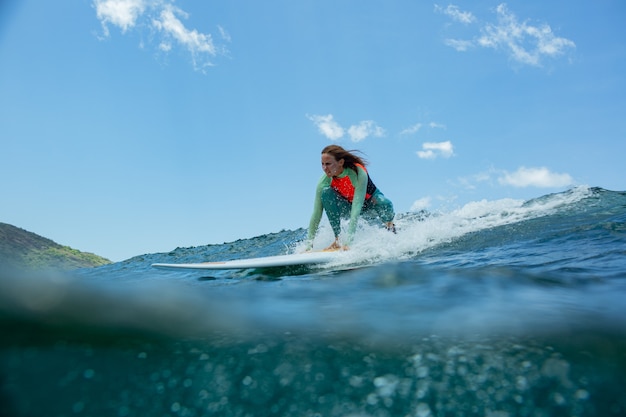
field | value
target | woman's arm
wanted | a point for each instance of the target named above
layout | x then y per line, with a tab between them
360	188
316	217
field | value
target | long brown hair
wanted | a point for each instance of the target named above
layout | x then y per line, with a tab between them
350	159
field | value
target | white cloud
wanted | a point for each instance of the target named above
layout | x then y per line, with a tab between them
459	44
411	129
122	13
334	131
170	25
165	18
525	43
225	35
165	46
535	177
456	14
432	150
421	204
328	126
435	125
416	127
521	41
364	129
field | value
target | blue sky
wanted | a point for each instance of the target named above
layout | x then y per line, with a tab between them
138	126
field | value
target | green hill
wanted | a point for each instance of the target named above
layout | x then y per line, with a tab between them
20	248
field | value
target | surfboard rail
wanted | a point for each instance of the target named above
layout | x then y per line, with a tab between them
293	259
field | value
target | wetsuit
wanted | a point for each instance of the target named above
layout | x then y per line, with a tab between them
348	195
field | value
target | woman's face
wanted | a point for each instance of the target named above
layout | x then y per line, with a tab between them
331	166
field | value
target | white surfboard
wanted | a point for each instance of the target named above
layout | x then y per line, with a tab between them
305	258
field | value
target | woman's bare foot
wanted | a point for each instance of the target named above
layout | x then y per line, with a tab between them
336	246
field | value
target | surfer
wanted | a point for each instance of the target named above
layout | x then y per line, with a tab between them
347	191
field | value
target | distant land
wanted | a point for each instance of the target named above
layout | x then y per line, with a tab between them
23	249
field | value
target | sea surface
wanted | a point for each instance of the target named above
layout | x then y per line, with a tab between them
497	309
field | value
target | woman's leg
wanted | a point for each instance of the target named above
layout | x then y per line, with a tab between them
336	208
383	207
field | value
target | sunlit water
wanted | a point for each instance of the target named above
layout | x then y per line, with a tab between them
501	308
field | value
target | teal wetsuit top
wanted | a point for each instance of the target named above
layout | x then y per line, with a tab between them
360	188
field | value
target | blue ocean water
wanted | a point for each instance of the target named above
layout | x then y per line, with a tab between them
499	308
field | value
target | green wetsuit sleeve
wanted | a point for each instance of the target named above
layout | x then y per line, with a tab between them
316	217
360	188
